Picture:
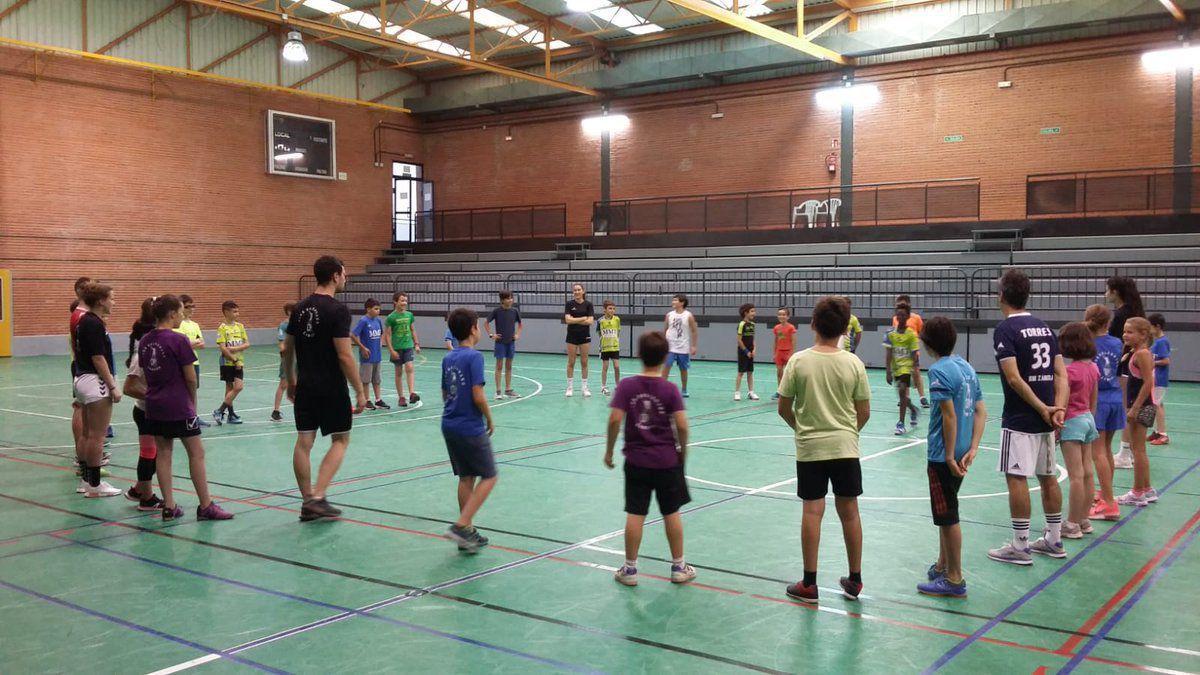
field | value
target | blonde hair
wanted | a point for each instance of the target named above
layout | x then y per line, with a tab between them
1142	326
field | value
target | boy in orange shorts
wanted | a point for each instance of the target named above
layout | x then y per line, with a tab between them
785	343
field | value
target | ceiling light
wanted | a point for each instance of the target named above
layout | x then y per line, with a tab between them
1167	60
595	126
293	49
854	95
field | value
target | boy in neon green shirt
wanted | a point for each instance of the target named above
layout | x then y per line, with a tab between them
609	328
853	333
191	330
233	341
903	351
400	338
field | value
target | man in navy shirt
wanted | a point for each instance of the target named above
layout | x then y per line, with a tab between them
1034	379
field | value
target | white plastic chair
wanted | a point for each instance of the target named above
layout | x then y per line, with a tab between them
832	207
809	209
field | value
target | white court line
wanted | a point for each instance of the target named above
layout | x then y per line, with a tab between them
207	658
35	414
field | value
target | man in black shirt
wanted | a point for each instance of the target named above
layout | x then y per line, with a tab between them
318	362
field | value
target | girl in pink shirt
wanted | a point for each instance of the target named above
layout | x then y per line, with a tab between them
1079	429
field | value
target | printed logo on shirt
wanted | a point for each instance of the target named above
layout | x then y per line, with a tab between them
310	318
646	404
157	355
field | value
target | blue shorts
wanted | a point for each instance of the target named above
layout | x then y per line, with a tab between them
505	350
1081	429
470	455
1110	416
683	360
406	356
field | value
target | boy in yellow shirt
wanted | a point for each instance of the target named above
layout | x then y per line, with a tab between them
232	340
903	351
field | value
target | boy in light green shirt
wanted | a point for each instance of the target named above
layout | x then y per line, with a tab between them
825	398
903	350
400	339
609	328
233	341
191	330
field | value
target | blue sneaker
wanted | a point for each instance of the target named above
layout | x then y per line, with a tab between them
233	419
900	430
219	416
943	588
934	572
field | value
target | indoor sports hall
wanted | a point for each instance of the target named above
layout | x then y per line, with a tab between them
617	336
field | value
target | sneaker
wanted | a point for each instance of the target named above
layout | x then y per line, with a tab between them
942	587
382	405
1132	498
934	573
685	394
752	396
737	395
587	393
1011	554
628	575
318	509
82	488
681	574
233	419
132	495
402	402
1086	527
110	433
1046	548
604	391
1123	460
924	402
414	397
570	391
203	423
1110	511
850	589
105	458
368	406
803	593
511	393
151	503
1162	439
218	417
276	416
1071	530
101	490
913	417
775	396
1150	495
1153	437
171	514
467	538
900	430
498	397
212	512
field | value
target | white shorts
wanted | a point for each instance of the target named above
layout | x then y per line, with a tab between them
1159	394
89	388
1027	455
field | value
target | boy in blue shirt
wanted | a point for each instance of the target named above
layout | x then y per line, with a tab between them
954	432
467	428
1162	377
368	337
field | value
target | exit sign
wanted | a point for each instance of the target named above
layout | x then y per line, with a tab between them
956	138
1050	131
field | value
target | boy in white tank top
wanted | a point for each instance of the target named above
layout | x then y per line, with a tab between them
682	336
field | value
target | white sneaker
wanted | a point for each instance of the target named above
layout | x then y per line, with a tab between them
499	396
101	490
570	391
752	396
604	391
737	395
83	487
1123	460
587	393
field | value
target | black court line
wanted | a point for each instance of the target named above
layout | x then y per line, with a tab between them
406	587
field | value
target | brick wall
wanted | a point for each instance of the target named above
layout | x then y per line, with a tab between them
1112	114
163	188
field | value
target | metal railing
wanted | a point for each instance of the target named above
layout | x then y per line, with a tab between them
1137	191
1060	292
500	222
899	203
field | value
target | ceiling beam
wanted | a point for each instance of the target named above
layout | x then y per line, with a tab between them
382	40
819	30
333	66
1174	10
239	49
563	31
141	26
760	29
12	8
402	88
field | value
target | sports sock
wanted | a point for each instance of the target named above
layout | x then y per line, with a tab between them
856	577
810	578
1054	528
677	562
92	473
631	564
1020	528
221	410
145	469
231	413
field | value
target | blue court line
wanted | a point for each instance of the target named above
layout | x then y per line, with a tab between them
325	605
1128	604
1045	583
140	628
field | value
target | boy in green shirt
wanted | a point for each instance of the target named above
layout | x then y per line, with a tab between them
232	340
903	351
745	353
400	338
853	332
826	400
609	328
191	330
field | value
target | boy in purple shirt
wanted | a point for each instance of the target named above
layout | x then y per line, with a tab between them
656	434
166	359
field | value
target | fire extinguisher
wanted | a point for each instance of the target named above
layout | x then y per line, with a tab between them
831	162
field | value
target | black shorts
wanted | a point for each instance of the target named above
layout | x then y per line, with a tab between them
174	428
143	425
470	456
329	412
583	338
813	478
943	494
610	356
745	363
904	380
668	485
231	373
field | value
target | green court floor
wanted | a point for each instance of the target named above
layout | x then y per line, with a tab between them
94	584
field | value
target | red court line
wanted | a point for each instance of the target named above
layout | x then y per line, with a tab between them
1094	620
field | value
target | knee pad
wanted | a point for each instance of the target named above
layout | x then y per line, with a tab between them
147	448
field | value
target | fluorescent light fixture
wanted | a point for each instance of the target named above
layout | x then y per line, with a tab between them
293	49
594	126
1167	60
287	156
854	95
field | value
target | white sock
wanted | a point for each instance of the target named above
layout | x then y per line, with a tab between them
677	562
1053	528
632	564
1020	528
